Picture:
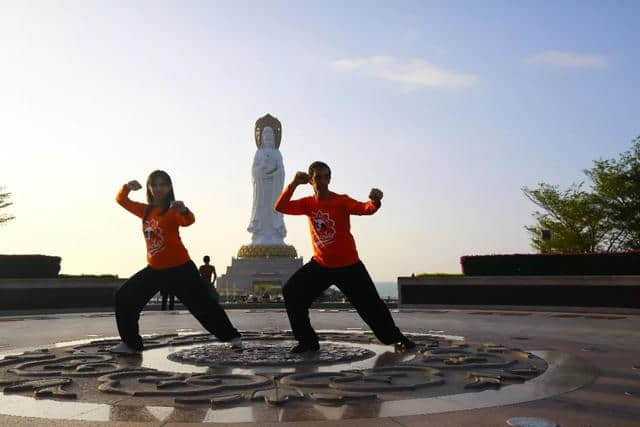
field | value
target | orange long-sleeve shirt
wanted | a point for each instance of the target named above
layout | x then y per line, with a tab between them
164	247
333	244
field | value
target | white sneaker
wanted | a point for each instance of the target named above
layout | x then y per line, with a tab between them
123	348
236	343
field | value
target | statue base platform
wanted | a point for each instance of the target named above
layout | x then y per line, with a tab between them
258	270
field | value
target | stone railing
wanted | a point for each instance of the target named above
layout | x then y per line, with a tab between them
560	291
19	294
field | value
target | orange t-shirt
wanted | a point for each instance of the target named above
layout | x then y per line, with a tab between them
164	247
333	244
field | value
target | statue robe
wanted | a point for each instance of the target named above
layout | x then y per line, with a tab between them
266	224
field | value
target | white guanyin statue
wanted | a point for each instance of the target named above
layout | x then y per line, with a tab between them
267	225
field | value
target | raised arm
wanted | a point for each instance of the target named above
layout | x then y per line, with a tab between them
122	198
370	207
285	205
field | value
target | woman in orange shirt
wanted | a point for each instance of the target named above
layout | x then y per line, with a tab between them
169	267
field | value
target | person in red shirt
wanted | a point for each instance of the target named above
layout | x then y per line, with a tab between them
335	260
169	267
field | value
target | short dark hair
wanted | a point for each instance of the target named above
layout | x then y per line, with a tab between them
206	258
313	167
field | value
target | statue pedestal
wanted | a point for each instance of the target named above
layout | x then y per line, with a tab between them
259	269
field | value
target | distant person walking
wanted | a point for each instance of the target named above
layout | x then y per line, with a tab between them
335	260
167	295
169	267
206	271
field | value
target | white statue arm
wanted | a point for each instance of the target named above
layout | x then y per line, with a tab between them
272	171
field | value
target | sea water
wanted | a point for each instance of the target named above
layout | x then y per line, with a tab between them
387	289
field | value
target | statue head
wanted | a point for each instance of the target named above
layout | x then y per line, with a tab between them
267	139
262	125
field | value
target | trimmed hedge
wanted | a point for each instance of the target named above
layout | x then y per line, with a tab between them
620	263
29	266
88	276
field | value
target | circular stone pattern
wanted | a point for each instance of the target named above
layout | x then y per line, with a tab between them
264	382
268	353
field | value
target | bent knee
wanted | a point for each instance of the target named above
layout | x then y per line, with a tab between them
286	292
122	295
118	295
290	292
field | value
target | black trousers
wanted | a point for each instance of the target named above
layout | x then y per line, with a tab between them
183	281
171	297
354	281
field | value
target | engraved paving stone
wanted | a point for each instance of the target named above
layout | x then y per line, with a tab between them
268	353
351	368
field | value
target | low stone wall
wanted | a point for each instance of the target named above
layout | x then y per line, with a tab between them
559	291
19	294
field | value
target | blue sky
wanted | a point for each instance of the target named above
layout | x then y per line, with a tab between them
448	107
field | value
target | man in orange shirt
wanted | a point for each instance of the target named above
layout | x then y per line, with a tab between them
335	260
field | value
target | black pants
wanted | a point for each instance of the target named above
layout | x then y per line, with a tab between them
183	281
354	281
170	296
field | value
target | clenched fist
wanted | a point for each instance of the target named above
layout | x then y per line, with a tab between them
375	195
301	178
178	206
133	185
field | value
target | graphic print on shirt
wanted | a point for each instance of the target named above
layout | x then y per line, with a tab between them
324	228
153	236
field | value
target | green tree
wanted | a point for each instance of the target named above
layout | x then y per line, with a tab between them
4	202
573	218
606	218
616	184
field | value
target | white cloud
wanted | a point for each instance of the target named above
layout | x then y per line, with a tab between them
355	63
413	73
568	59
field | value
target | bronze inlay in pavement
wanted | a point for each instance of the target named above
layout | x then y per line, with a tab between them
354	377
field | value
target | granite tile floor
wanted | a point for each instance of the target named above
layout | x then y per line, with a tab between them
610	343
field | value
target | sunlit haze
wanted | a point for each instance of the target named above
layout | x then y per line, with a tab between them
449	107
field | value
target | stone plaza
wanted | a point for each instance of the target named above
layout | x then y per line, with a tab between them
480	367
